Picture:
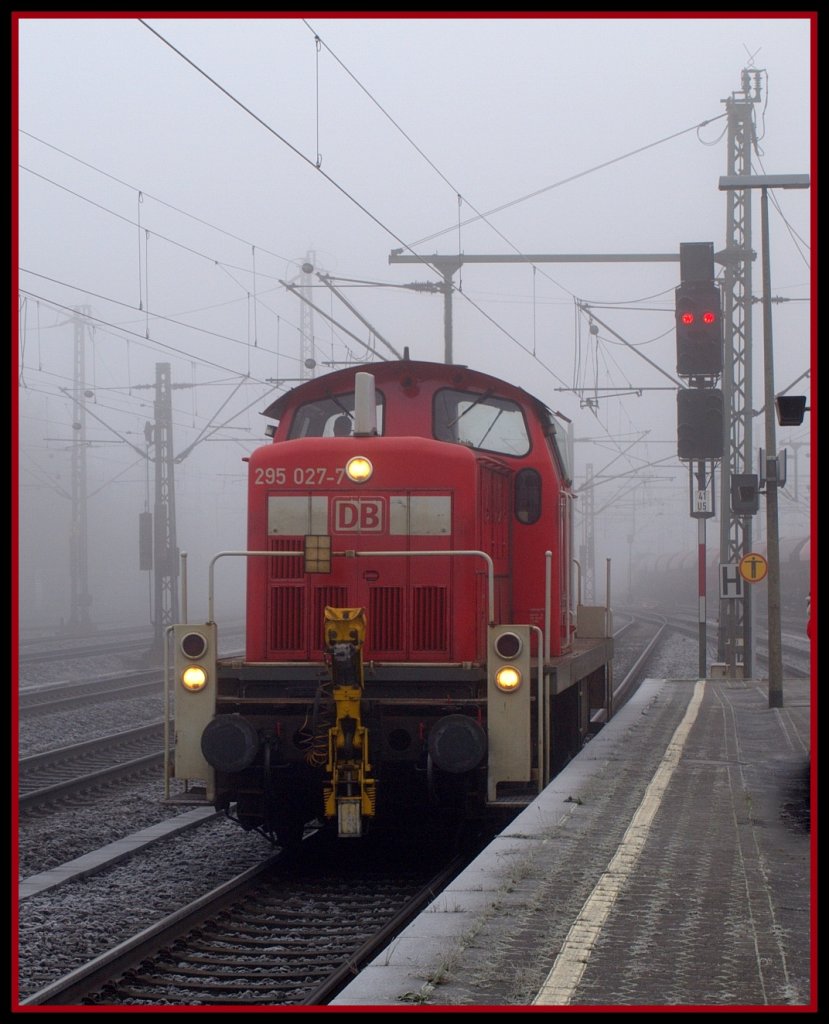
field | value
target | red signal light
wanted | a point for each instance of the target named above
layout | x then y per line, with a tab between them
689	318
698	329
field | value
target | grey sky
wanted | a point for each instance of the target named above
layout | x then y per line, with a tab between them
170	200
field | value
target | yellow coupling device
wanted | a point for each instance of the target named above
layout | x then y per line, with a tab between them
350	793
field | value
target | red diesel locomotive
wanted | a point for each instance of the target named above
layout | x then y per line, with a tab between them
413	641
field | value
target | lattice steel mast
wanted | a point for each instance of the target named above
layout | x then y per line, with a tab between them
735	530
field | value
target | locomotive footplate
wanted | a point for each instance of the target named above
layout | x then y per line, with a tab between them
585	657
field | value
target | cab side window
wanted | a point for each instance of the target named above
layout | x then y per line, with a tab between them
527	498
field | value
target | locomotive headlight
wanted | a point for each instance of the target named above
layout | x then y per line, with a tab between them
508	678
194	678
359	469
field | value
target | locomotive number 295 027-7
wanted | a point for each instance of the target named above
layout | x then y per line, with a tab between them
300	476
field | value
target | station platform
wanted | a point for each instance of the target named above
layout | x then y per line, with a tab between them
668	865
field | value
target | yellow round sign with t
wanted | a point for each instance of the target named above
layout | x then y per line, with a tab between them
753	567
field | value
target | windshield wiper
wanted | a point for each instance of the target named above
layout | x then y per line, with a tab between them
477	401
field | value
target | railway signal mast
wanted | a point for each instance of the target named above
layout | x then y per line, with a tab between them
699	358
735	617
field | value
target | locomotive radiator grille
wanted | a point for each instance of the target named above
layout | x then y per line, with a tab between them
404	621
429	632
285	619
285	568
386	620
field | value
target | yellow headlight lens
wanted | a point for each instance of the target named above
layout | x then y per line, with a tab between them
508	678
194	678
358	469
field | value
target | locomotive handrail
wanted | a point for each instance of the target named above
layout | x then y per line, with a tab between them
548	603
243	554
542	725
167	634
359	554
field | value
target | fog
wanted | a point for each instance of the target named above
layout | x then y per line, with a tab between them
170	173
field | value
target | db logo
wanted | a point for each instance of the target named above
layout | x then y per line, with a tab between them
358	515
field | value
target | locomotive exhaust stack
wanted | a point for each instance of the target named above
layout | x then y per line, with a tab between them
365	405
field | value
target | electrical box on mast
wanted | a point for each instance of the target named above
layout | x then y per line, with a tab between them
745	494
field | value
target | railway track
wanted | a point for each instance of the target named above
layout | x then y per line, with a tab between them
115	643
796	649
42	655
279	934
84	768
64	695
45	698
631	666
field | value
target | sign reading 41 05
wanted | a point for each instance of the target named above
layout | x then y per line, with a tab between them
753	567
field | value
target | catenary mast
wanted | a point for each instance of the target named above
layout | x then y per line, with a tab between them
735	530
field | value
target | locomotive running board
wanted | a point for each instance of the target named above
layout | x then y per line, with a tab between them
585	657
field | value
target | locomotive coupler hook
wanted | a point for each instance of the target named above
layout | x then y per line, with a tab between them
349	793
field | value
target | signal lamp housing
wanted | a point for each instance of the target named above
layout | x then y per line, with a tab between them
699	337
699	430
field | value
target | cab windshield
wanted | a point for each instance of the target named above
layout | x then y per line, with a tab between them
481	421
329	417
